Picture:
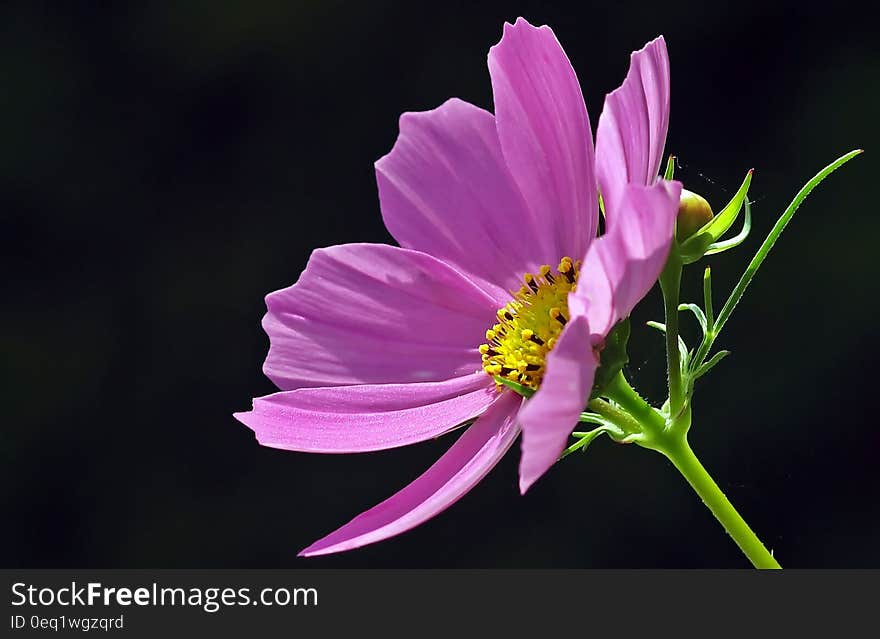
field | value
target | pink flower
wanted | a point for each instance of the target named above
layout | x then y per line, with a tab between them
378	346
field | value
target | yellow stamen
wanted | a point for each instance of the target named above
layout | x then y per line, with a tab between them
529	325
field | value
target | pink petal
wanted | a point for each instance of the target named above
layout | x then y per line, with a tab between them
632	128
549	417
545	135
475	453
353	419
375	314
445	190
622	265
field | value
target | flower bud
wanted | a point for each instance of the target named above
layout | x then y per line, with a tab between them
699	231
693	213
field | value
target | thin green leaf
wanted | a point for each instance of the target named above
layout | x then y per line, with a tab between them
746	278
684	355
707	299
658	325
683	351
698	313
592	418
774	234
583	442
709	365
595	418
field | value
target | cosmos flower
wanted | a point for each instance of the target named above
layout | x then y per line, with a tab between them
499	273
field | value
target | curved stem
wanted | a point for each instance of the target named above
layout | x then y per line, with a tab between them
683	458
626	396
670	439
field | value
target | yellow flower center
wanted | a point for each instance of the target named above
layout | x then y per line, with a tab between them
529	325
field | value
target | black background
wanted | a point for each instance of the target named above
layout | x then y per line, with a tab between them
164	165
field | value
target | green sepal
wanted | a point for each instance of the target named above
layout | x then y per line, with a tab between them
697	244
516	387
669	173
612	358
739	238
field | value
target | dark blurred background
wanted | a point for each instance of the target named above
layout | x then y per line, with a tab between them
163	165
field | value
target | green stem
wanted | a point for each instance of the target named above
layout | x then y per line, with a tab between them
683	458
626	396
670	282
635	415
651	430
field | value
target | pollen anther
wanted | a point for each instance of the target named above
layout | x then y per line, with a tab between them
529	325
